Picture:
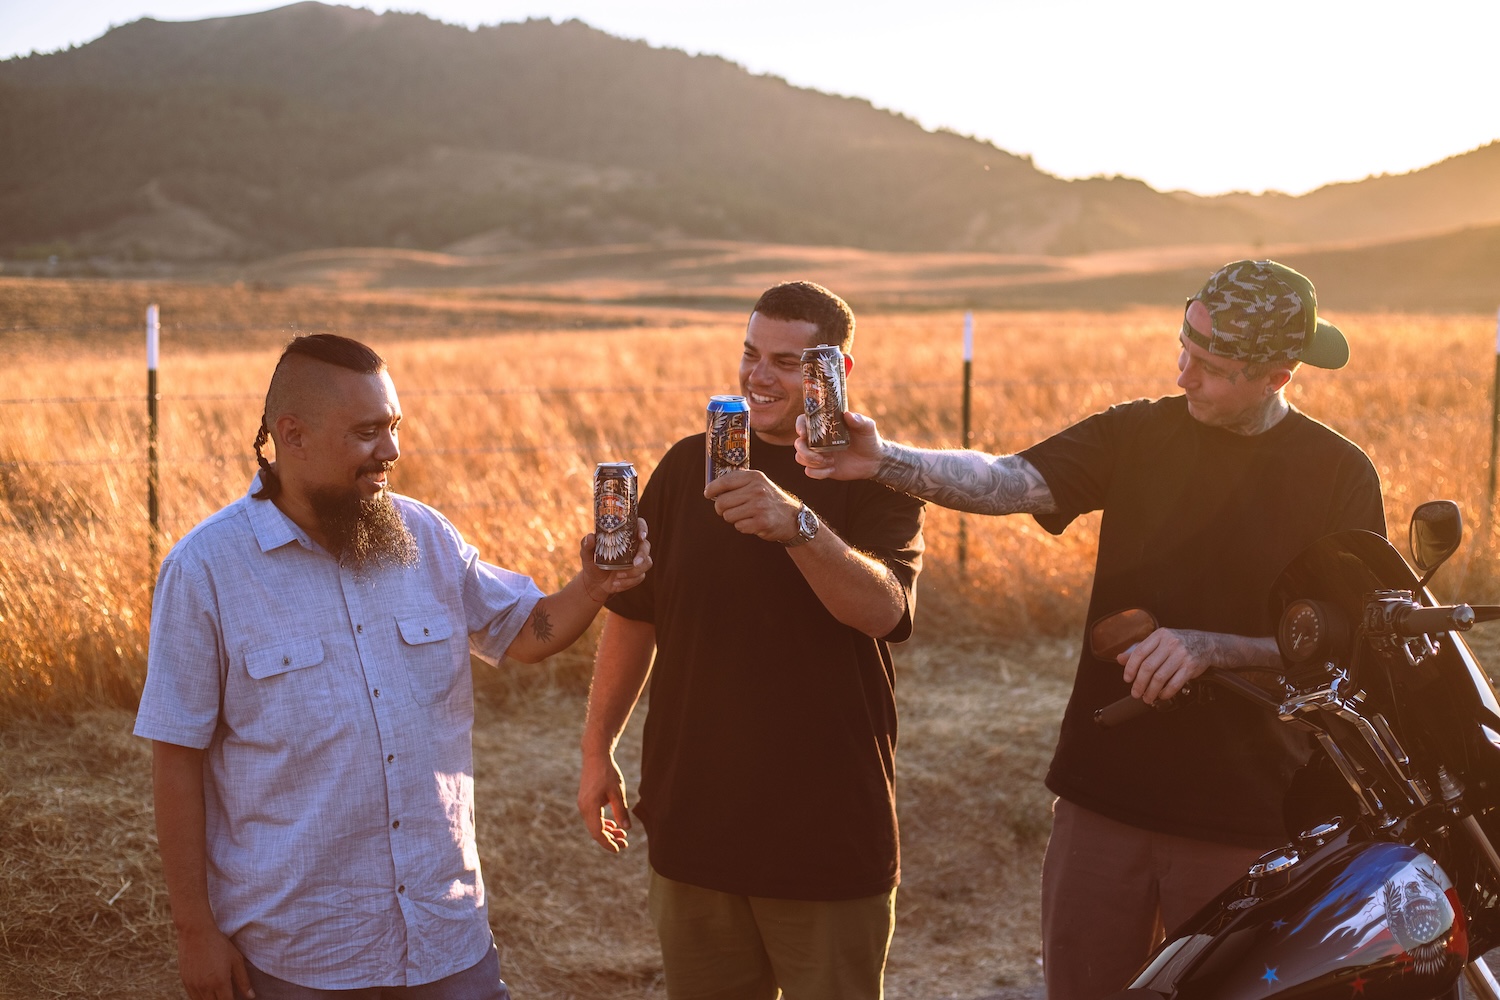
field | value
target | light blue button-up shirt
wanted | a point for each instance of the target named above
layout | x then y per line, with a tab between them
335	707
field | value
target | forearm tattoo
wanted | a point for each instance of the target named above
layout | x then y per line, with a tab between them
1203	645
966	480
541	625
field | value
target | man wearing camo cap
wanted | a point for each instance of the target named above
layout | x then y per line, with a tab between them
1205	496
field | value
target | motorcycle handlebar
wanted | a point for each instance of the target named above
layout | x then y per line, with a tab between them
1120	712
1426	621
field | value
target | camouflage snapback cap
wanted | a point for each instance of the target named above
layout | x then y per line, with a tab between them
1262	311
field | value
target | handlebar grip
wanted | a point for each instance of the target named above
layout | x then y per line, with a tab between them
1425	621
1120	712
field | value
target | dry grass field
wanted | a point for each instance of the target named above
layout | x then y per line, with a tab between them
509	404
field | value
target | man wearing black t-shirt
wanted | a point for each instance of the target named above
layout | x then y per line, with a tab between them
769	751
1205	496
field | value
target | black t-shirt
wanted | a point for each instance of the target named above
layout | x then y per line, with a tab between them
770	741
1198	522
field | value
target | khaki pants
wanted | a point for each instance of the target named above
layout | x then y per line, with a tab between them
1111	891
718	946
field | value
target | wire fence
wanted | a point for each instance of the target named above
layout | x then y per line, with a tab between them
539	390
151	458
1123	385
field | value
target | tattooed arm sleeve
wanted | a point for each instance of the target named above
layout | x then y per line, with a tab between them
966	480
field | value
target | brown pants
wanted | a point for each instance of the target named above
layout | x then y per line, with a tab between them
1110	891
718	946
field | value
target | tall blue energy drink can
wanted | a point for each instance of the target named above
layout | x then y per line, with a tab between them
727	446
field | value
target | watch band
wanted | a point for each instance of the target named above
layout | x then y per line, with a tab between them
807	528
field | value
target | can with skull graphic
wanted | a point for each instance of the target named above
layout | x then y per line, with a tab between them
728	444
615	511
825	396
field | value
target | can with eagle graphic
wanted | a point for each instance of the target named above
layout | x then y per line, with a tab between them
825	396
616	539
728	444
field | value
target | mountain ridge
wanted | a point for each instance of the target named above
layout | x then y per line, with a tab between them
315	126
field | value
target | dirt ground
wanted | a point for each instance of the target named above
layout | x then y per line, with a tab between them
86	915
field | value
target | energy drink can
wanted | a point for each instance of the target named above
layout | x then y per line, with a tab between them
825	397
616	507
727	446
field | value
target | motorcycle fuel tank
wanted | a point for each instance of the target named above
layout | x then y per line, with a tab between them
1361	921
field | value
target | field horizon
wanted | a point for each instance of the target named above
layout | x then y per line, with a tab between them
1443	270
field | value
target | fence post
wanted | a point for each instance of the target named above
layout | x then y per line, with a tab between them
1489	506
968	434
153	506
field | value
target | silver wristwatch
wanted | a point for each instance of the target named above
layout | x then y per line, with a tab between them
807	528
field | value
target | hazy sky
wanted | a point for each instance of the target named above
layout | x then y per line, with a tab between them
1205	96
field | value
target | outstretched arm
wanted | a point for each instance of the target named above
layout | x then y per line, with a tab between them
559	619
966	480
969	481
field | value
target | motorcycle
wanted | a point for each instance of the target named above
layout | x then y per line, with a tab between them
1392	888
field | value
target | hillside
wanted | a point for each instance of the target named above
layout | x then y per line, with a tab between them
320	126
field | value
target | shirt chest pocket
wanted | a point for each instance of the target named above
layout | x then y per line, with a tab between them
289	684
433	658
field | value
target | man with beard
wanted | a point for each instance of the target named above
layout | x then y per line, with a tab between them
1206	496
767	777
310	702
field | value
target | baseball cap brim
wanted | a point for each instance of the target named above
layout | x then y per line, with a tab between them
1328	348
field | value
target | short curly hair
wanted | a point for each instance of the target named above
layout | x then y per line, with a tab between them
811	303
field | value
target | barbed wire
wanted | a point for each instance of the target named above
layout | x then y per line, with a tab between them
1443	416
584	390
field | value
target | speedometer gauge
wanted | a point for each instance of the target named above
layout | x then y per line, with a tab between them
1307	631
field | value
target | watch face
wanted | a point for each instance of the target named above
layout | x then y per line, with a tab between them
807	523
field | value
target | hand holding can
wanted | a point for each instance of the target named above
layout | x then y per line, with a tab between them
727	446
825	397
616	507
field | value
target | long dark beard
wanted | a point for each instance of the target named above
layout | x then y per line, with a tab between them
363	532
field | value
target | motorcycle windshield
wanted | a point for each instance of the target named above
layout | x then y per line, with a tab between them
1344	569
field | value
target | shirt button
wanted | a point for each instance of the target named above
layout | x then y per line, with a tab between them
390	757
396	825
401	889
377	692
359	628
426	632
286	661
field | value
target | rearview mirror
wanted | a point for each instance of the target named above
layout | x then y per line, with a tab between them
1437	528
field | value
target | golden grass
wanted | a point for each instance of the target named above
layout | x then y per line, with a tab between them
504	425
503	431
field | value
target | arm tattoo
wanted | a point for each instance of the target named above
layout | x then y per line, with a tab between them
1201	644
966	480
541	624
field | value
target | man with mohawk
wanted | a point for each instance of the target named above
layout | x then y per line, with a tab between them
309	698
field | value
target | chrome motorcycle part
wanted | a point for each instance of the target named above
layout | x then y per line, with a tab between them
1319	835
1481	981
